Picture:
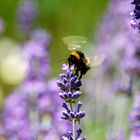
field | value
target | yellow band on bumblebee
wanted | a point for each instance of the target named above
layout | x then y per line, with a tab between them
74	53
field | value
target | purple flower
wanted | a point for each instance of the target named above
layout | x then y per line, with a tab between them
3	134
16	114
120	135
133	22
27	16
123	89
70	115
120	45
115	37
68	136
135	15
35	51
132	64
41	36
69	85
32	111
135	135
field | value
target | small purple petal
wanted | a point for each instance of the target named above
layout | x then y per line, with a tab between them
134	24
65	67
65	114
78	107
73	79
79	131
72	115
69	94
78	83
66	107
62	76
76	95
60	84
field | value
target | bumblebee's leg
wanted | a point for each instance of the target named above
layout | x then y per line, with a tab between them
80	76
70	64
76	71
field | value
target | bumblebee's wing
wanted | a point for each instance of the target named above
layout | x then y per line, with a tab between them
96	60
74	42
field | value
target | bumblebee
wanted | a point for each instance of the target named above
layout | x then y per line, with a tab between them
77	58
80	62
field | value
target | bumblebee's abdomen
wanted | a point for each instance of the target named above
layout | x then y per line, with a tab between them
83	68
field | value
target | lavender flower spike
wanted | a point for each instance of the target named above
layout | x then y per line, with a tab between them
135	15
27	15
70	86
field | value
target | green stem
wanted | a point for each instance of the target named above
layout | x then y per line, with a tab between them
73	124
71	107
73	129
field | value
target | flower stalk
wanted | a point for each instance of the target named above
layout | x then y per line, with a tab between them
73	129
70	92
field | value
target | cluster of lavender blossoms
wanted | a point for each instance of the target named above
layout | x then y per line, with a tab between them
135	71
31	112
117	45
135	15
27	15
70	92
133	62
